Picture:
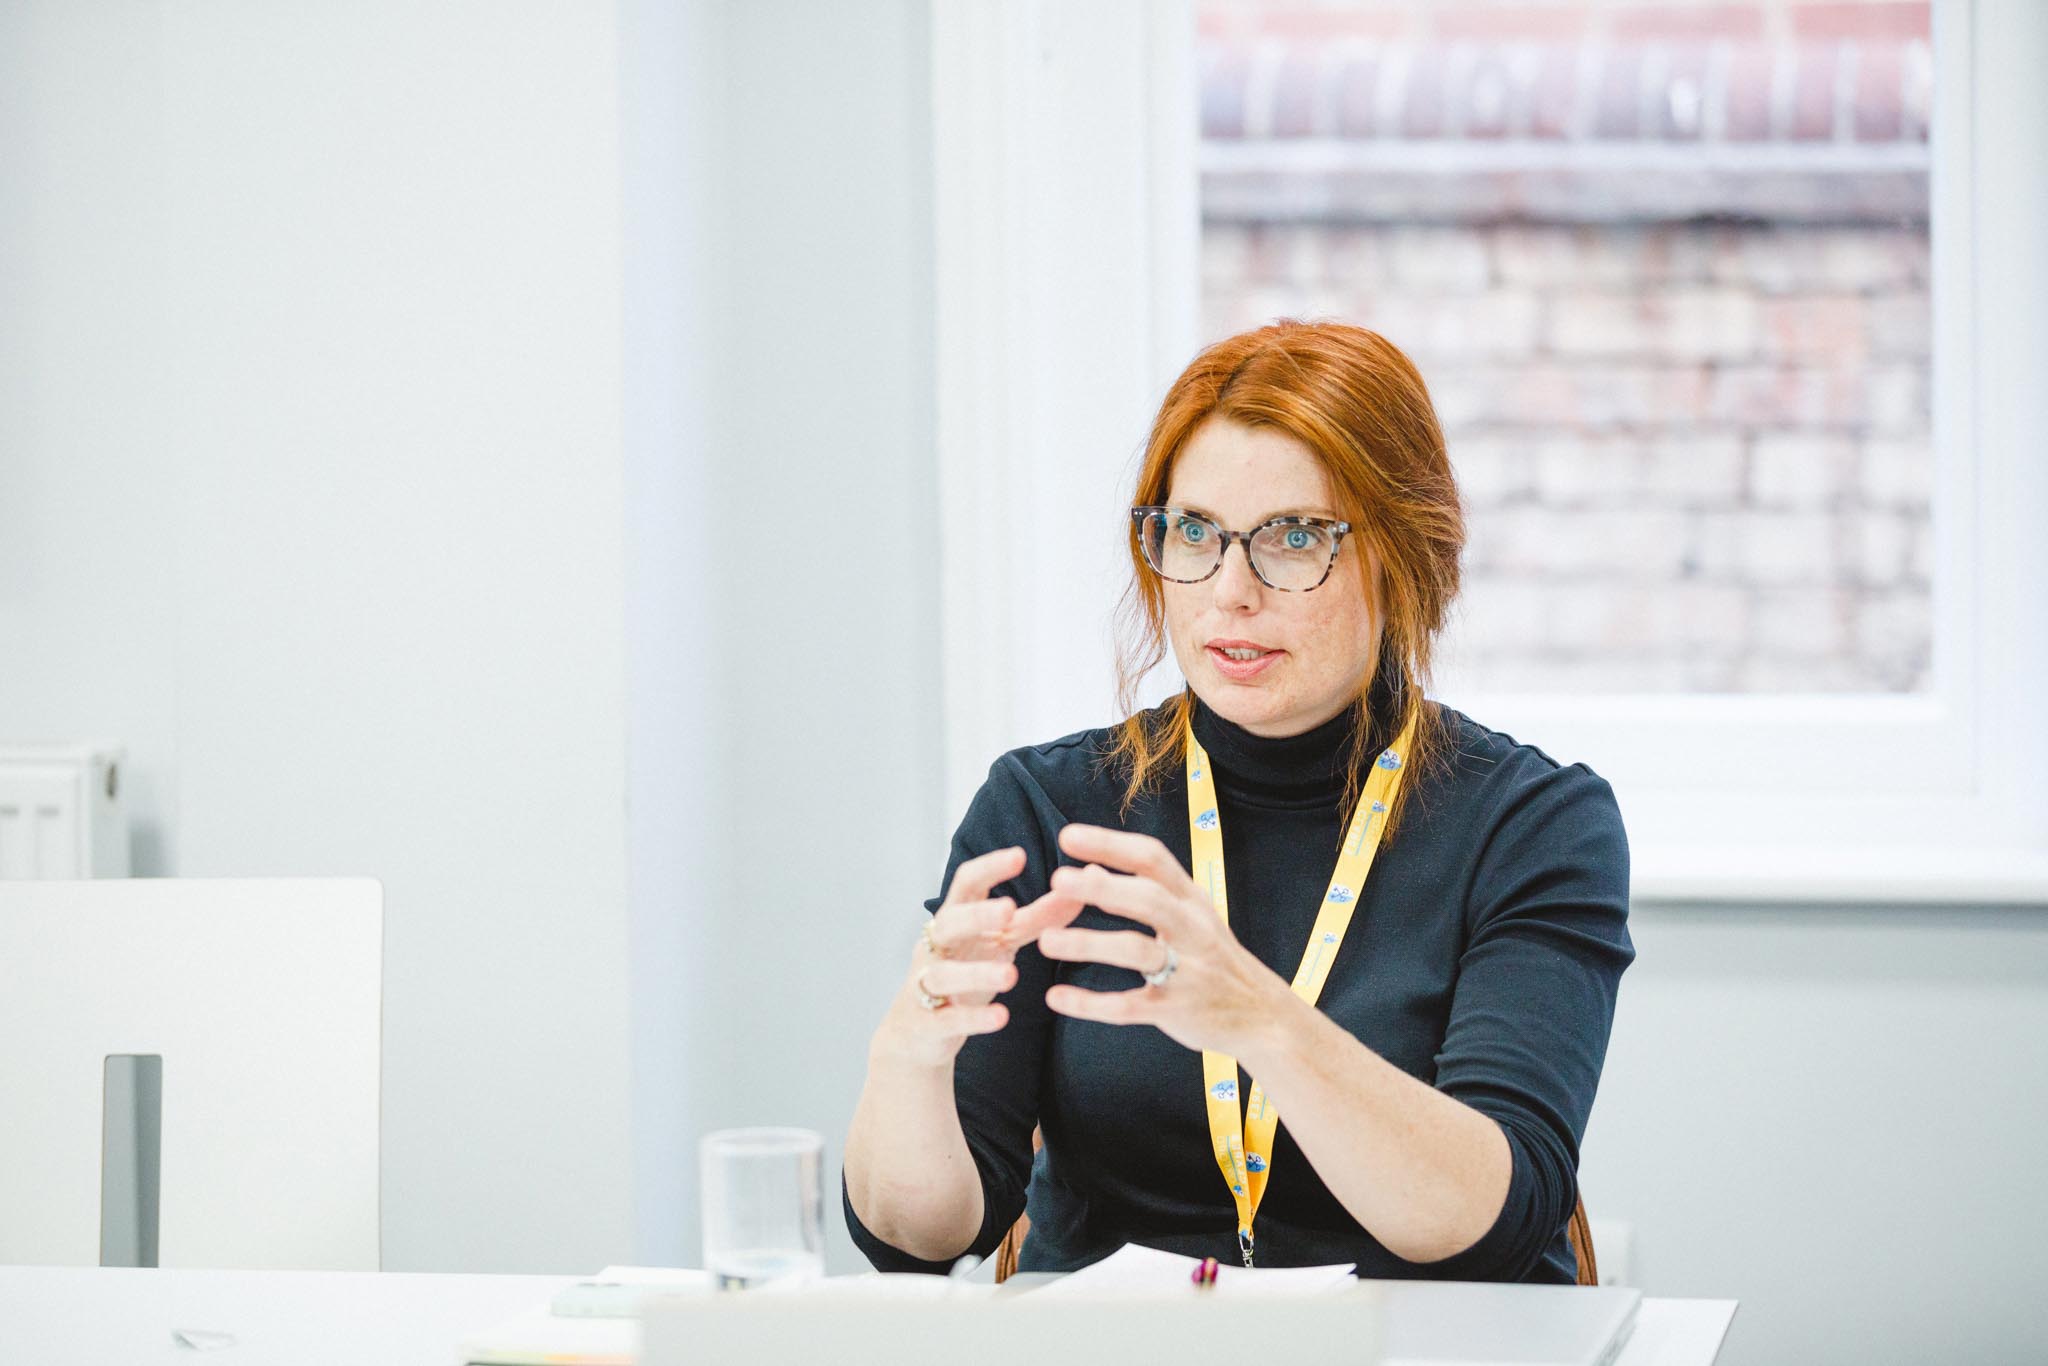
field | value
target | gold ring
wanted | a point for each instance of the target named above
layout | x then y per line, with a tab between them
926	999
931	945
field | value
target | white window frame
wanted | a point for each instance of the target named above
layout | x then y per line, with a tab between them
1067	233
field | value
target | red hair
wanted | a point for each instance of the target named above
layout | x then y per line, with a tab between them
1360	406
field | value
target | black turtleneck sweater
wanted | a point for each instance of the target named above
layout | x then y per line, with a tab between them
1483	959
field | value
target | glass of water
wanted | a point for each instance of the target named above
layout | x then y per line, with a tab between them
764	1206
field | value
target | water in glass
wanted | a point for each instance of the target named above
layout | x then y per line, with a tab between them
763	1193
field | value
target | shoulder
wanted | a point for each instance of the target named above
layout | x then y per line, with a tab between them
1510	787
1480	759
1058	760
1544	850
1079	776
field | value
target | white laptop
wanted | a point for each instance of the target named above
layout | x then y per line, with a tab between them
751	1329
1395	1323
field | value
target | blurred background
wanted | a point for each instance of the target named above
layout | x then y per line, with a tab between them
1666	271
618	473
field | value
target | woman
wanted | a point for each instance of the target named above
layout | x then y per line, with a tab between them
1449	906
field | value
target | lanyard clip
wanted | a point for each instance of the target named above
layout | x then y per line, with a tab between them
1244	1244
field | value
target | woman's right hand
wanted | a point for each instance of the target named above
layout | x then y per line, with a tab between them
967	961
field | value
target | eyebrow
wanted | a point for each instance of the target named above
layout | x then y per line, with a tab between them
1283	512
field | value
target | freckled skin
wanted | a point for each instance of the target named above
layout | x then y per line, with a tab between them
1242	476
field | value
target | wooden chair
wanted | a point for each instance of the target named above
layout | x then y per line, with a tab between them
1578	1232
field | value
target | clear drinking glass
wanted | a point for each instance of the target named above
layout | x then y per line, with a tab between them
764	1205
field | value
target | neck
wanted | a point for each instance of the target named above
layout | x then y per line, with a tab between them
1281	730
1308	767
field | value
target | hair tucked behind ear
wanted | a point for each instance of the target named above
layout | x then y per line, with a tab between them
1353	399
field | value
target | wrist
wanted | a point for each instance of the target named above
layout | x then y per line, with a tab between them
899	1051
1278	1022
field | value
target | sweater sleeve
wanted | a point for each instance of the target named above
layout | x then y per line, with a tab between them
1534	1002
995	1076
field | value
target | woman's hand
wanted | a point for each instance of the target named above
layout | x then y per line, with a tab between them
1220	996
966	959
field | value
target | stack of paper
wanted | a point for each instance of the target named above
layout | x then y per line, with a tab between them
1148	1272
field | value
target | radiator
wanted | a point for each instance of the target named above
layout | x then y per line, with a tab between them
61	814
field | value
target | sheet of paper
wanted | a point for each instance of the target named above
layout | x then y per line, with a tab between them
1135	1270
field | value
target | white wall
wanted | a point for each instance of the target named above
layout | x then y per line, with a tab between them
489	447
310	491
806	815
670	143
1836	1116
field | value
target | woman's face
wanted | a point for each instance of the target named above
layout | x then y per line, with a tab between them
1319	645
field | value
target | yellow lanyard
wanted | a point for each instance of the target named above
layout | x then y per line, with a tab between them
1244	1144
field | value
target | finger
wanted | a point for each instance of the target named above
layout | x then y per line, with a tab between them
971	929
1117	948
969	977
1050	911
1143	855
958	1021
1134	898
1136	1006
977	877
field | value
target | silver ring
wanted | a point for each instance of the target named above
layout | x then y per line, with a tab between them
926	999
1165	972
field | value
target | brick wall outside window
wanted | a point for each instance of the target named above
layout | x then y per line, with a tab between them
1665	269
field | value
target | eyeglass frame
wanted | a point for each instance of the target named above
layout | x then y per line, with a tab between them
1337	530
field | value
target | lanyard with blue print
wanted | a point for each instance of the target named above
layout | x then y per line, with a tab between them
1244	1143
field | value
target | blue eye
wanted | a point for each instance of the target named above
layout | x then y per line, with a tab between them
1192	531
1298	538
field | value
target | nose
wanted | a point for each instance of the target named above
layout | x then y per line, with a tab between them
1237	587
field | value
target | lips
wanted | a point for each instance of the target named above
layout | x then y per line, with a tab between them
1240	670
1240	645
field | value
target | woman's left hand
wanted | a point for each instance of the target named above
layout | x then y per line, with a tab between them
1220	997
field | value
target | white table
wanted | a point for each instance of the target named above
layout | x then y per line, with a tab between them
57	1316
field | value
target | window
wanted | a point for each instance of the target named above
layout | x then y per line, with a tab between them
1744	433
1665	270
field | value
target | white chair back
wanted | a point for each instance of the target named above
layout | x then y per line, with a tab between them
262	999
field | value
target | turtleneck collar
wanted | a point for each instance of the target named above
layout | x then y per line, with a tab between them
1292	770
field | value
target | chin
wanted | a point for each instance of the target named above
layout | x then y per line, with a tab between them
1246	707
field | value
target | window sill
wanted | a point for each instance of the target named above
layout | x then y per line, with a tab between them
1695	875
